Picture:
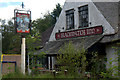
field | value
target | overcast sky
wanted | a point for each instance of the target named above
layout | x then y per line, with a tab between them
37	7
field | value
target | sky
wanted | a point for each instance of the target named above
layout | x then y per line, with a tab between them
37	7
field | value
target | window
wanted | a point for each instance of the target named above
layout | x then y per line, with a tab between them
83	16
70	19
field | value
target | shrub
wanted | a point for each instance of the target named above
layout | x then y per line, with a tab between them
74	60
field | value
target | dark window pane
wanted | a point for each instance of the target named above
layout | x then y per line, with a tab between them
70	19
83	16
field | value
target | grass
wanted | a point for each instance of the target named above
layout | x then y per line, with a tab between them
47	75
41	75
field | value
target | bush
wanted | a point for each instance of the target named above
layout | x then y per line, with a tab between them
74	60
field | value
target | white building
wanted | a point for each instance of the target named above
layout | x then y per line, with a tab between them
93	25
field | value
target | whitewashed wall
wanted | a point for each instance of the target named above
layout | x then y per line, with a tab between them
112	57
95	17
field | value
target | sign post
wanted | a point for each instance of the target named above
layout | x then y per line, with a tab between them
22	25
23	56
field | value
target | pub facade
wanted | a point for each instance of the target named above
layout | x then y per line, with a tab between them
92	25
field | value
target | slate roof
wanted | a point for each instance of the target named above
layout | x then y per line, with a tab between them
46	35
82	42
111	11
111	38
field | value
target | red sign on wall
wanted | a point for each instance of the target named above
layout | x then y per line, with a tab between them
80	32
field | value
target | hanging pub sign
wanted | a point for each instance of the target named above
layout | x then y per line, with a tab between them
23	21
80	32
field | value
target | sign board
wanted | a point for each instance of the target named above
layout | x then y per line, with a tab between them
80	32
23	21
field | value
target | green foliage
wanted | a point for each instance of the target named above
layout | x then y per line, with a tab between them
43	23
10	40
16	74
34	62
48	20
39	26
56	12
72	59
41	75
32	41
112	70
97	66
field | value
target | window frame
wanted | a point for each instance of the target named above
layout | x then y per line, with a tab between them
70	21
83	13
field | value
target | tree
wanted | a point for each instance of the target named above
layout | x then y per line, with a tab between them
48	20
10	40
43	23
72	59
56	12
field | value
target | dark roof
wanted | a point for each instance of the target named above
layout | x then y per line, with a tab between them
111	38
46	35
111	11
39	44
53	47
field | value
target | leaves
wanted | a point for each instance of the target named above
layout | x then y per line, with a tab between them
73	59
48	20
10	40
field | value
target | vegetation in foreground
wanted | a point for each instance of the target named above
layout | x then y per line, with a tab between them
72	66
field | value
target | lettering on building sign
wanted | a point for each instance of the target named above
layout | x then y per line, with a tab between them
80	32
